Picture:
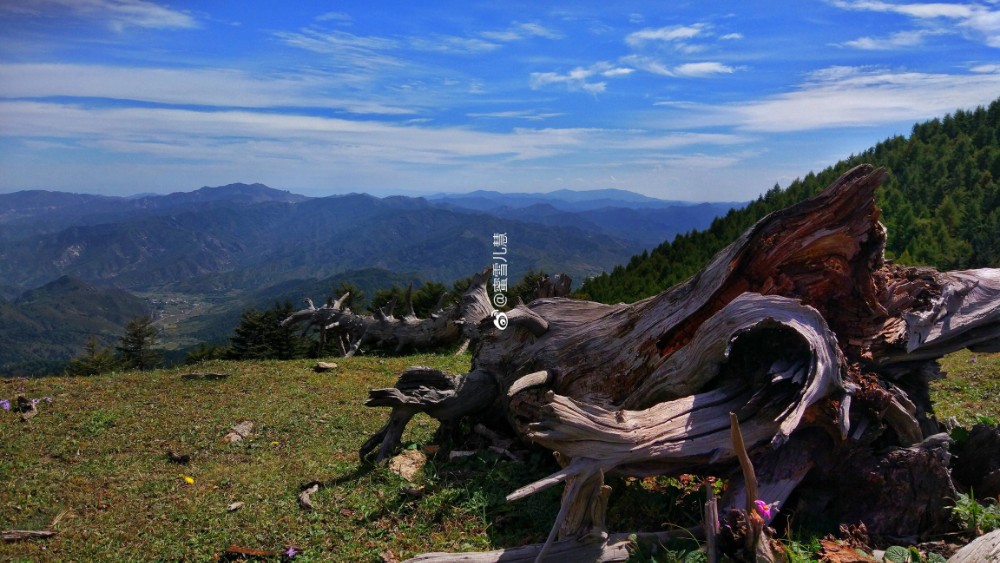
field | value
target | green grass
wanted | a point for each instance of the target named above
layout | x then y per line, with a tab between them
971	390
96	455
94	462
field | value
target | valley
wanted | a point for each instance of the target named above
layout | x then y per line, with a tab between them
197	260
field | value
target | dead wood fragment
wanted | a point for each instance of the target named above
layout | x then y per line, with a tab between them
305	502
710	520
985	548
204	376
236	552
21	535
447	325
323	367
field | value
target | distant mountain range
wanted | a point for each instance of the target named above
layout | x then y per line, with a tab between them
227	245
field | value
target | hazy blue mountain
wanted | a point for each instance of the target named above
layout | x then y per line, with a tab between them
202	257
638	218
566	200
256	244
27	213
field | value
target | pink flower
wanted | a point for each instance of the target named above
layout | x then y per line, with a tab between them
292	552
763	509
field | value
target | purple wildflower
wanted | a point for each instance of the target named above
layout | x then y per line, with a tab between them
5	405
47	399
292	552
35	401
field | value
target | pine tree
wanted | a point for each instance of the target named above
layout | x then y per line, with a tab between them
135	347
260	336
96	359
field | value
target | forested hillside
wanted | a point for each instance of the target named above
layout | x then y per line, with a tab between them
940	204
44	327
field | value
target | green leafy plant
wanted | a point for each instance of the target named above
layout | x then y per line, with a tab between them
900	554
974	517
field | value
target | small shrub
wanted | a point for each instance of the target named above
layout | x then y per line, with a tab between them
973	517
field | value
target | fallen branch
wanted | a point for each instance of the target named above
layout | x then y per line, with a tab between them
20	535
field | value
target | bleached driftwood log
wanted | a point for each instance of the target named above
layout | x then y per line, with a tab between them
821	348
445	326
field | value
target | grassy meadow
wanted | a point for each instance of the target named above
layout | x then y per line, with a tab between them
93	466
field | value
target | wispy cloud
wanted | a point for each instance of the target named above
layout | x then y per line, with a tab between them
897	40
665	34
116	14
520	31
677	38
981	21
334	16
225	88
838	97
453	44
916	10
692	70
528	115
703	69
581	78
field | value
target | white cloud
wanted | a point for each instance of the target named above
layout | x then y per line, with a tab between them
196	87
220	135
667	34
117	14
520	31
690	70
980	20
895	41
731	36
453	44
334	16
648	64
528	115
240	136
916	10
702	69
839	97
580	78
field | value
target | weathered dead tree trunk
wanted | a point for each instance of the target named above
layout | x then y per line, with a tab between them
820	348
447	325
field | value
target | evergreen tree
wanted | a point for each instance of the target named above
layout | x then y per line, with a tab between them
135	347
424	299
248	341
96	359
355	301
260	336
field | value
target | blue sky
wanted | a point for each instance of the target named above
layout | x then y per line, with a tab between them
698	101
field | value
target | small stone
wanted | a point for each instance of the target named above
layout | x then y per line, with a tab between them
408	464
